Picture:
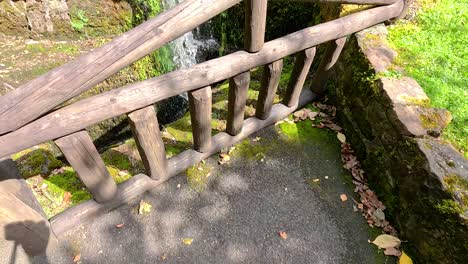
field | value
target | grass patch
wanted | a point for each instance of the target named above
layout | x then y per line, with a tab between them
433	50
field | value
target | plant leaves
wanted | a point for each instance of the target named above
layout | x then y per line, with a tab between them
386	241
187	241
341	137
283	234
405	259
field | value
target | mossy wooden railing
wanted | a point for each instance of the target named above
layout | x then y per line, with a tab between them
28	117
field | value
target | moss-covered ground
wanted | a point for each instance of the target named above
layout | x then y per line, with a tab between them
433	50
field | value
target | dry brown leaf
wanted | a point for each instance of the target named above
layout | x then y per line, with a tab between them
77	258
341	137
392	252
66	199
386	241
224	158
283	234
144	208
343	197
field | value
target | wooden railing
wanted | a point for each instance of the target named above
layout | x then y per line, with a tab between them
27	117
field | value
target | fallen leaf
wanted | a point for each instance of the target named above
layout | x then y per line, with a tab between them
144	207
187	241
120	225
200	168
392	252
163	257
316	180
283	234
256	139
405	259
77	258
343	197
386	241
341	137
225	158
312	115
66	199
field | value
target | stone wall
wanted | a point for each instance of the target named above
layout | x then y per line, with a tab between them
422	179
37	16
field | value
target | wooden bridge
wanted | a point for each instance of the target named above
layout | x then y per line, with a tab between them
29	114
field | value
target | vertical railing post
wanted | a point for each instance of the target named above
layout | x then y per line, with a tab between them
270	80
200	102
238	88
23	223
80	152
255	21
145	128
331	55
298	76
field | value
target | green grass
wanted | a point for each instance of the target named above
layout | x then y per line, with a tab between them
433	50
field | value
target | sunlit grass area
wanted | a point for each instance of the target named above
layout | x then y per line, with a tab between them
433	49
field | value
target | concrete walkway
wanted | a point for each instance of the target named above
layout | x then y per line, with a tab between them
237	217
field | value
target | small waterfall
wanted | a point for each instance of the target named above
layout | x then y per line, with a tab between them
187	49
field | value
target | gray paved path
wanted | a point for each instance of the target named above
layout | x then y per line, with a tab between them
236	219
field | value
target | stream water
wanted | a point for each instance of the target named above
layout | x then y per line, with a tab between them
188	49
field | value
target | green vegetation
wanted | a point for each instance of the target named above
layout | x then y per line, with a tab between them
78	19
433	50
197	176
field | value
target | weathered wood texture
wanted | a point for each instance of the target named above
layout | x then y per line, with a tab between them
255	22
80	152
331	55
145	128
139	184
129	98
299	74
42	94
12	181
22	220
86	211
200	114
270	81
238	88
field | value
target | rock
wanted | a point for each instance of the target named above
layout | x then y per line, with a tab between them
419	121
422	180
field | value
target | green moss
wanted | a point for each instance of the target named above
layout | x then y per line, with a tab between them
78	19
116	159
253	150
37	161
415	101
430	120
58	185
449	207
197	176
457	185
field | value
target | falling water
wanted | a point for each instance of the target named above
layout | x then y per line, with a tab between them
187	48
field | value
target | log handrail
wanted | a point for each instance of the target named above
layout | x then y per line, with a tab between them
48	91
23	125
119	101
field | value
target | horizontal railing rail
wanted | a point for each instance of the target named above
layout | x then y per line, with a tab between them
100	107
25	123
48	91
